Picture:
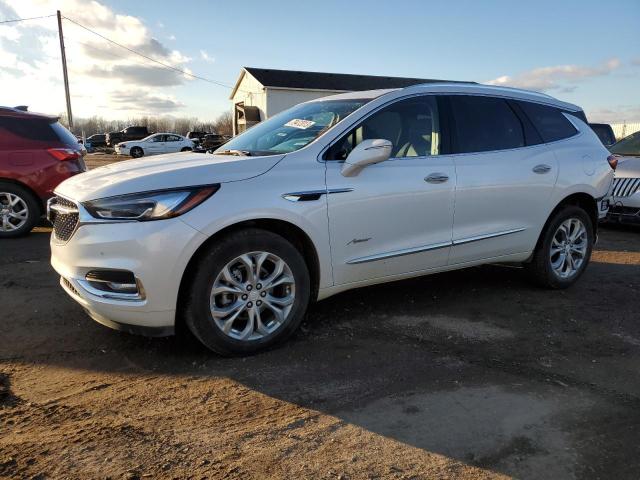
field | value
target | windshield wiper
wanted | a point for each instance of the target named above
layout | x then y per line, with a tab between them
239	153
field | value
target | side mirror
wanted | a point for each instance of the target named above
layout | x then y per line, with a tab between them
366	153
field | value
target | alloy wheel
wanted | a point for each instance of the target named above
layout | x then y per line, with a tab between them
252	296
569	248
14	212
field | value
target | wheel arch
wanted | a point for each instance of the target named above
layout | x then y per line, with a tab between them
291	232
580	199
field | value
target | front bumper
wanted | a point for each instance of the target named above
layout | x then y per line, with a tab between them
157	253
625	209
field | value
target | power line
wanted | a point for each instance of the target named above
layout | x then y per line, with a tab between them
165	65
25	19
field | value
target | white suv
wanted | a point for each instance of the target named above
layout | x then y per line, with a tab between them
333	194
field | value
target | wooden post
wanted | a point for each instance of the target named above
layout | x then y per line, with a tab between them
64	71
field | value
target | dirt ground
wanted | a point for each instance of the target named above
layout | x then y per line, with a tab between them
471	374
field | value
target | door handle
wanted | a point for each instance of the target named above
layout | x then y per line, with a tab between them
542	168
436	178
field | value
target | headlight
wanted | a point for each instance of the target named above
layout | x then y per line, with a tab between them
146	206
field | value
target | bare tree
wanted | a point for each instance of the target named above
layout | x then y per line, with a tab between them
224	124
181	125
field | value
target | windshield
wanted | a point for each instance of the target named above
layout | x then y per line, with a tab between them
627	146
292	129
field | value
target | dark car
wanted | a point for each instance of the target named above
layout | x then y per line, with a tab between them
196	136
604	133
36	154
129	133
97	140
212	141
628	146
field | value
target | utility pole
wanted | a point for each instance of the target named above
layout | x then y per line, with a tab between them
64	71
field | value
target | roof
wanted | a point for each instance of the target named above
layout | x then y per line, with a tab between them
21	111
463	88
336	82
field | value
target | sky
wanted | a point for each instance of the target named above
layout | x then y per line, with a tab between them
584	52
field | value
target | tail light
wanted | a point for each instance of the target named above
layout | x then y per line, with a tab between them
64	154
613	161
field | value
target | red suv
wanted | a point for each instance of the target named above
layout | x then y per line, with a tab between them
36	154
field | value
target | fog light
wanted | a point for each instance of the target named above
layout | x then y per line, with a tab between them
114	284
604	205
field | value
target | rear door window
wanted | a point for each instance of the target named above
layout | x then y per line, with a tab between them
29	128
483	124
550	122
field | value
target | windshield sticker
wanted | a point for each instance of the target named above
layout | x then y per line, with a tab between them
297	123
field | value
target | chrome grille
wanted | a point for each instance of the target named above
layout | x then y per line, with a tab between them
70	286
625	187
63	214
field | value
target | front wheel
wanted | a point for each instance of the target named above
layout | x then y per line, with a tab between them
564	250
136	152
186	149
249	292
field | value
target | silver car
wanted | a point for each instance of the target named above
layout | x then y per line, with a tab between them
625	206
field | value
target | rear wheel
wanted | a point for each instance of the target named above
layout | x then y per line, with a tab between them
19	210
249	292
136	152
564	250
186	149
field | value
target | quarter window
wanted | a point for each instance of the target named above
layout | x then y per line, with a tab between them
549	121
411	125
483	124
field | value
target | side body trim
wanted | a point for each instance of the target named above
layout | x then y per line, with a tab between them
311	195
398	253
434	246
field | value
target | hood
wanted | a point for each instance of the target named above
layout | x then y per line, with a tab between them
173	170
628	167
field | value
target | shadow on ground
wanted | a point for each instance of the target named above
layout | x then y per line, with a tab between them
477	366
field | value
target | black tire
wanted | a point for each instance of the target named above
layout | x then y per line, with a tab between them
540	268
32	204
136	152
186	149
197	310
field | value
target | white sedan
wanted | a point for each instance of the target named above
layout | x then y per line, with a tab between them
154	145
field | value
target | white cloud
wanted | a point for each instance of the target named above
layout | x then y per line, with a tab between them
559	77
206	57
100	73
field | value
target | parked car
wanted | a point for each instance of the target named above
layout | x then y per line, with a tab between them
333	194
604	133
97	140
196	136
212	141
626	192
36	154
154	145
129	133
628	146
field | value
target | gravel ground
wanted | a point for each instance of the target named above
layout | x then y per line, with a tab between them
468	374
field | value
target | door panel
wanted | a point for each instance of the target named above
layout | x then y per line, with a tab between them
501	202
391	214
394	217
503	186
